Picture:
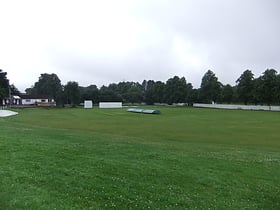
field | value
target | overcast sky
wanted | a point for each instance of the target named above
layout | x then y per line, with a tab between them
108	41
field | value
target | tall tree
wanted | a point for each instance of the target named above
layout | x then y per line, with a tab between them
4	86
149	91
72	93
193	96
245	86
227	93
109	94
277	99
176	90
210	88
48	85
131	92
14	90
159	92
258	91
90	93
269	86
134	94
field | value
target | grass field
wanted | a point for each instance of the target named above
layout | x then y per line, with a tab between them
184	158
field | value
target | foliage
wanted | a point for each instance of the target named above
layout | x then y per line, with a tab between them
176	90
269	86
90	93
262	90
182	159
47	85
72	93
4	85
257	91
228	94
154	92
131	92
108	94
210	88
14	90
149	92
277	89
245	86
133	95
159	91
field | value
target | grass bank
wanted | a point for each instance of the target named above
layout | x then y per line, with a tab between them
111	159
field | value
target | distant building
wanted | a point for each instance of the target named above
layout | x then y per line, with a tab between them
29	100
37	100
15	100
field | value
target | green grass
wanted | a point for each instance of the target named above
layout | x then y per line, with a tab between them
184	158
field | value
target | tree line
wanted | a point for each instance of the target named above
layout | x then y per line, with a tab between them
248	90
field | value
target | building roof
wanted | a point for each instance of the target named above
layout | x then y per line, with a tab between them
16	97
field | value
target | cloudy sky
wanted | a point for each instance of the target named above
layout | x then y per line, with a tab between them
108	41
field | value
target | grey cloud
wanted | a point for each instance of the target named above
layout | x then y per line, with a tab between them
227	37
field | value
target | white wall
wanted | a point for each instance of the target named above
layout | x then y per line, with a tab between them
110	105
243	107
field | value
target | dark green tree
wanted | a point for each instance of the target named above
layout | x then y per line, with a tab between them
227	94
4	86
245	86
30	90
193	96
131	92
48	85
176	90
149	92
90	93
60	97
109	94
14	90
269	86
277	90
134	95
257	91
159	92
72	93
210	88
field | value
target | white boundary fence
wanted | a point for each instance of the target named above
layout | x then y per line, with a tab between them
242	107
